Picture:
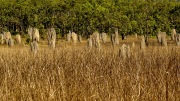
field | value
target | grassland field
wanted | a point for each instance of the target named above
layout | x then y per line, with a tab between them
72	72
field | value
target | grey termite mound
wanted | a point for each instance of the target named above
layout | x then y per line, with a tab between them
7	39
34	38
164	40
143	44
2	39
18	39
178	39
11	42
51	36
161	36
104	37
136	36
173	34
96	39
116	40
80	38
124	51
68	36
89	42
113	39
74	37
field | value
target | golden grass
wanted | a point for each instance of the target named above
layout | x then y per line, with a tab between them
74	73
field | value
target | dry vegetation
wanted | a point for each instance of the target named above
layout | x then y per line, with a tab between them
74	73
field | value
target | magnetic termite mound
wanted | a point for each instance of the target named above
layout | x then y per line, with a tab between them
51	35
34	38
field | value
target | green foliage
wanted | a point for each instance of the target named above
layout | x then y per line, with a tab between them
86	16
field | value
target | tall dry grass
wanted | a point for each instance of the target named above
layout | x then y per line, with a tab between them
74	73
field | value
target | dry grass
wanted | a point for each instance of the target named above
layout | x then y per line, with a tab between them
73	73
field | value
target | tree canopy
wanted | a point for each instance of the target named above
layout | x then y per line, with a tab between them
86	16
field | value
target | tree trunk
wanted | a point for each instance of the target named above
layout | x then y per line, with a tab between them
123	36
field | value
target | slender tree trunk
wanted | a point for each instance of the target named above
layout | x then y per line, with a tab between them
123	37
146	36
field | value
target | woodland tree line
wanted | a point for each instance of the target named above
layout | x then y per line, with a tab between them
87	16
